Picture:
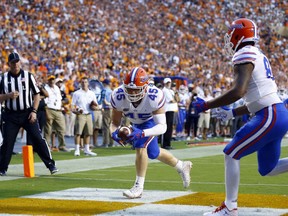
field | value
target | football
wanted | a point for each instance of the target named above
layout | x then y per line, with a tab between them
79	110
93	105
124	132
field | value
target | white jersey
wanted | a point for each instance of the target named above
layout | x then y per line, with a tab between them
83	99
98	93
262	89
184	99
54	100
153	100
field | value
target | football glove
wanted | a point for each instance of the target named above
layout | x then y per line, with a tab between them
135	135
117	138
223	113
200	105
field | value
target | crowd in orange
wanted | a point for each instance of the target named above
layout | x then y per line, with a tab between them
105	39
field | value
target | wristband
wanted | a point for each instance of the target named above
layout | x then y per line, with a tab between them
34	110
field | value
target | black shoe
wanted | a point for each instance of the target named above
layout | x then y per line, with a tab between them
2	173
64	149
53	169
167	147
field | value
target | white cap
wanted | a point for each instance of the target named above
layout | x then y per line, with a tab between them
166	80
58	80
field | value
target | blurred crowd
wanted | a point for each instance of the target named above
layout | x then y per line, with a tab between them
103	39
107	38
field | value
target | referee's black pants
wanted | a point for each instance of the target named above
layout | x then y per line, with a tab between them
12	122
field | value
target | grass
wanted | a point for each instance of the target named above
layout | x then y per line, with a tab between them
207	176
119	150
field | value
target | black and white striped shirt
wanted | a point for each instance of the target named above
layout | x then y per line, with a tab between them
25	84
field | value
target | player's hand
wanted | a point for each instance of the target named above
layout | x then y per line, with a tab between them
223	113
135	135
200	105
116	138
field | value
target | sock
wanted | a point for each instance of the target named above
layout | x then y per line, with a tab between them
87	149
140	181
232	179
77	147
281	167
179	166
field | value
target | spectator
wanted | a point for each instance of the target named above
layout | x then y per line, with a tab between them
97	114
170	107
192	119
81	106
182	111
204	117
41	113
65	102
54	114
107	115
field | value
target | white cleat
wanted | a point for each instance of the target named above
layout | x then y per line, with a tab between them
134	192
222	211
185	173
90	153
77	152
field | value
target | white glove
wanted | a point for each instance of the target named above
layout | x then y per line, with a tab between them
223	113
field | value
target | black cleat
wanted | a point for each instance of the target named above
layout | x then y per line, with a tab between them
3	173
53	169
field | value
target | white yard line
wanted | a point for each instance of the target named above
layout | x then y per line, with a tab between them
148	198
185	210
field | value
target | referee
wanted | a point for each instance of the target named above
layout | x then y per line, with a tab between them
21	95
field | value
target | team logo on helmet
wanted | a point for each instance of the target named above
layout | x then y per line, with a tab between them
235	26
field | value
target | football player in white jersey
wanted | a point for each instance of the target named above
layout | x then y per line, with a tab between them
143	105
254	82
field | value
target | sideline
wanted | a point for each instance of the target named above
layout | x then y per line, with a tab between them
95	163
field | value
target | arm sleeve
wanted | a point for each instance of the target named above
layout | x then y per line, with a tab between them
159	128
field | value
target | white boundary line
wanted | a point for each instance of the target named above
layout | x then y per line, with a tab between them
148	199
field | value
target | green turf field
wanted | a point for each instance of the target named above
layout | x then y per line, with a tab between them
207	176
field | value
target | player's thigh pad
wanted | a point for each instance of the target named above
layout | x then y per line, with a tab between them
151	143
153	150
